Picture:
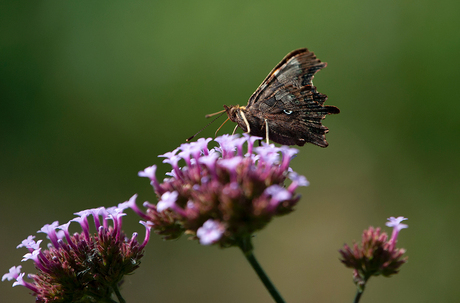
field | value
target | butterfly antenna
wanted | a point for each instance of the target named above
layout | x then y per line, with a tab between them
221	113
215	135
210	115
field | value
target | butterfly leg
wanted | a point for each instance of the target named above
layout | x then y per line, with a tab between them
215	135
234	130
246	121
266	130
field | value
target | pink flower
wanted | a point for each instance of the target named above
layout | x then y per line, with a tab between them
376	256
228	184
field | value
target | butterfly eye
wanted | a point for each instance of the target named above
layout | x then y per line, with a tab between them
287	112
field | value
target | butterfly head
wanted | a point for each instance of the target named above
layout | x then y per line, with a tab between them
234	112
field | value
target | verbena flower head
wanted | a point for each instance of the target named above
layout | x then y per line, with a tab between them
222	194
82	267
377	254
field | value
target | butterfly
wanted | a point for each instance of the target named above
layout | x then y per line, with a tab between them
286	108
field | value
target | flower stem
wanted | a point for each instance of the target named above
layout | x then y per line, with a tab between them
358	296
118	294
360	286
246	247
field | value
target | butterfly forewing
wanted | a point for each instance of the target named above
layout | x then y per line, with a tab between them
297	68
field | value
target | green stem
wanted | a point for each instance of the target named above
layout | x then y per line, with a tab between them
118	294
360	288
358	296
246	247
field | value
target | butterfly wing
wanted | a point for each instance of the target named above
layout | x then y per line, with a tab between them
291	104
297	68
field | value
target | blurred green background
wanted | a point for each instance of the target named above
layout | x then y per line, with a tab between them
92	92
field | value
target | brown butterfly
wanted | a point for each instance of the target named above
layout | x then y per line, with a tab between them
286	108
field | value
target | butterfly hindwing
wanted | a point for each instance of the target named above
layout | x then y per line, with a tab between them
294	116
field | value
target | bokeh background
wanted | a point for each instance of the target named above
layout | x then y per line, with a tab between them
92	92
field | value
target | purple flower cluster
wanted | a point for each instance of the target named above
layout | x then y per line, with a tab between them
377	255
222	194
82	267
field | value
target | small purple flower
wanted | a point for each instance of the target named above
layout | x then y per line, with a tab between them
231	163
20	281
169	154
228	144
397	226
210	232
32	256
288	154
228	184
30	243
149	172
131	203
84	225
269	154
148	227
250	140
203	145
168	200
396	223
174	161
187	151
50	230
82	266
210	161
297	180
278	194
13	274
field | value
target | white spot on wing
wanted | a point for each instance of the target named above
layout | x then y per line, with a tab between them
294	61
290	70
